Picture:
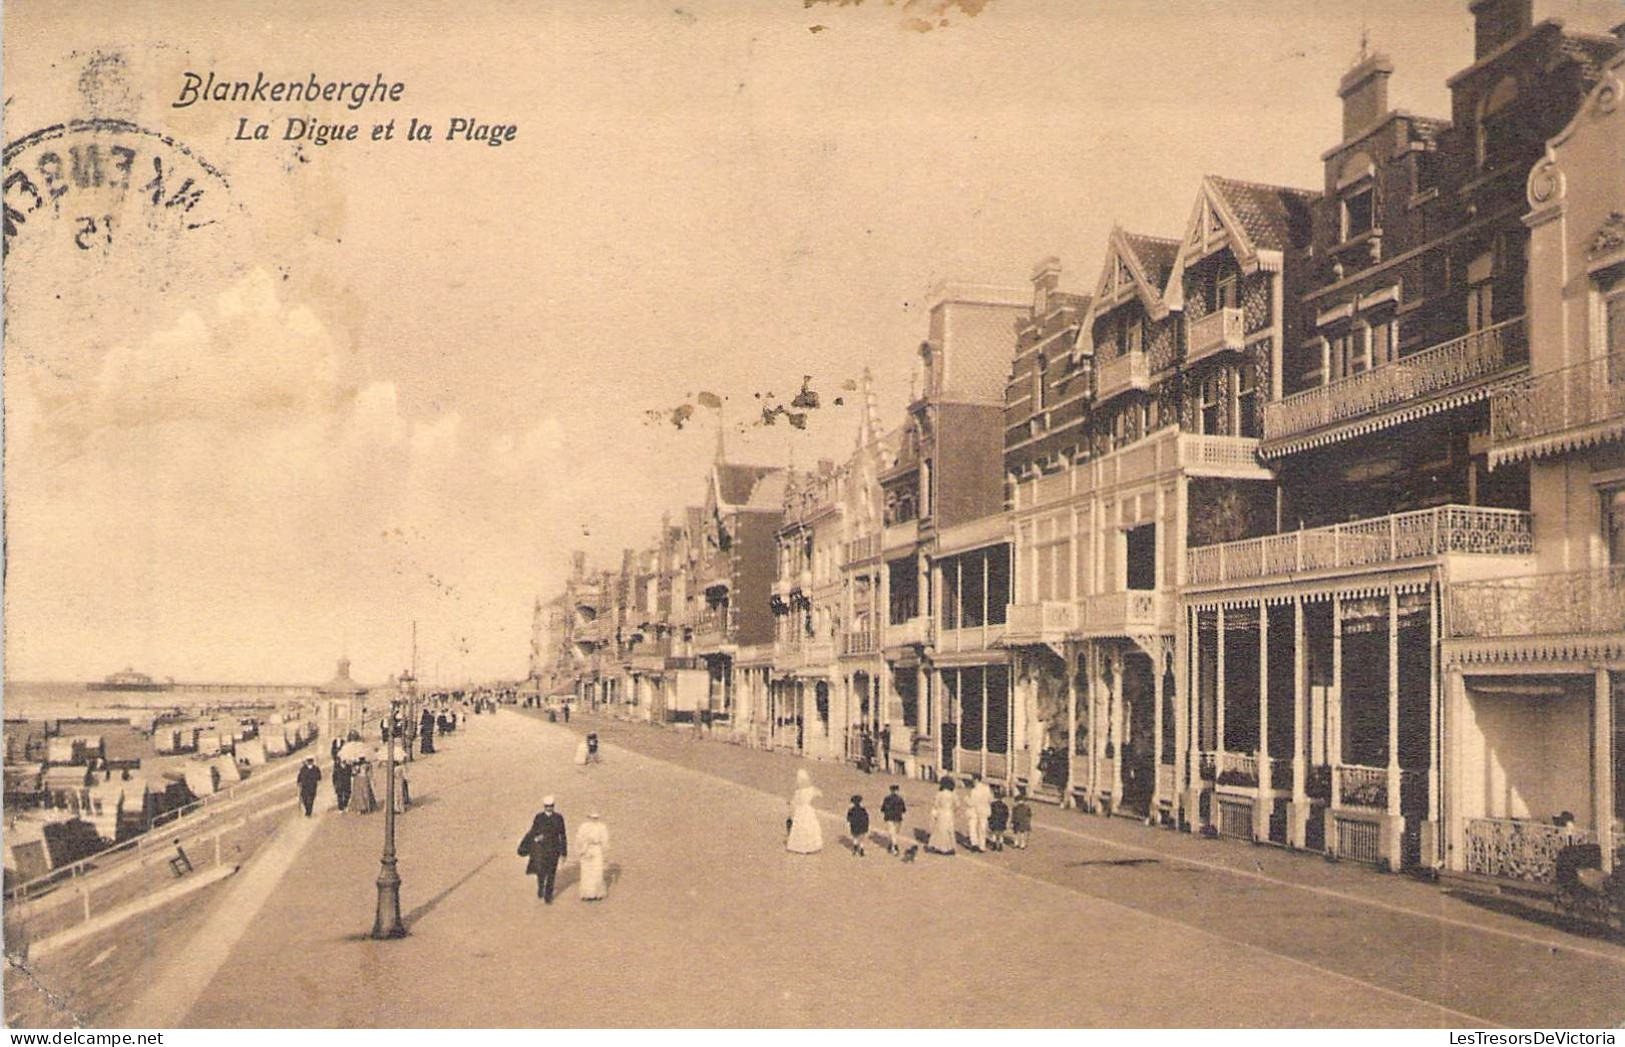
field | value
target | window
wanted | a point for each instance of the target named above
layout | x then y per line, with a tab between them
1141	550
1359	211
1613	332
1226	295
1499	131
1613	511
1212	403
1384	341
1247	412
1039	366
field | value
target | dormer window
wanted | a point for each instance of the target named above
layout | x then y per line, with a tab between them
1359	211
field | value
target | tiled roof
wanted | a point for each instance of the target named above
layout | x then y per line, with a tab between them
769	490
1155	254
1275	217
736	482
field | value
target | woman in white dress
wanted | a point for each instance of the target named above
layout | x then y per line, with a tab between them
806	836
581	753
593	840
942	820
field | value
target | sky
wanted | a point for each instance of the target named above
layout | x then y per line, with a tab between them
394	381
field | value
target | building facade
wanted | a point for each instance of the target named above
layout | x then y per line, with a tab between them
1305	527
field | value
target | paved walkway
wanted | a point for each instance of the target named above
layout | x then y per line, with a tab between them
710	922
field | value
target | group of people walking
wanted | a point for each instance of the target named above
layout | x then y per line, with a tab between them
547	844
990	822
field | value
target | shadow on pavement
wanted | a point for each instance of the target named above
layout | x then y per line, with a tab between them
427	907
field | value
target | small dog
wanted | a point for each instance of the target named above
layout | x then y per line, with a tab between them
910	854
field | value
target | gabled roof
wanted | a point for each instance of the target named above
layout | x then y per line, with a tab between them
1136	265
1276	217
736	482
1258	222
749	486
1134	262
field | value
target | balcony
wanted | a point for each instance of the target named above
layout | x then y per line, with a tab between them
861	642
1217	331
900	535
1048	621
711	629
1394	392
1134	612
1121	374
983	637
1363	544
1557	411
861	549
1570	603
916	632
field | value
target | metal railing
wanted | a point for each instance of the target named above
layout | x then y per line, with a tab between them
1362	543
1515	849
1362	786
1241	769
1553	402
1559	604
1461	360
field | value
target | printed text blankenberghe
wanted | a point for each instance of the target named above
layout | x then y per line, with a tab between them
354	93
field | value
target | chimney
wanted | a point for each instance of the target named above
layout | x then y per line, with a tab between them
1046	277
578	565
1497	21
1364	91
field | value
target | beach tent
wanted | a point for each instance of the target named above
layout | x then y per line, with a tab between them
251	752
275	741
227	766
202	779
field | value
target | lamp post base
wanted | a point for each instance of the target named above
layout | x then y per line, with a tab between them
387	923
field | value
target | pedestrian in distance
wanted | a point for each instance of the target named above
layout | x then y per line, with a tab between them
998	817
892	809
806	836
857	821
545	845
341	784
566	712
310	778
1021	821
426	733
942	820
593	839
978	807
363	798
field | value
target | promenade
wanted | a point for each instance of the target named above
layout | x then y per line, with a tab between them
710	922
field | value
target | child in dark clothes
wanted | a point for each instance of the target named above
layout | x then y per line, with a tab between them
857	820
1021	821
998	817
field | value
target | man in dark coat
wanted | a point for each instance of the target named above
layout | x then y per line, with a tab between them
310	776
545	845
341	784
426	732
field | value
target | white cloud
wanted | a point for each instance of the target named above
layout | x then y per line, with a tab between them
228	502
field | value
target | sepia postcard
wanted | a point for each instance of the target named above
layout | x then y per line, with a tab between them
814	514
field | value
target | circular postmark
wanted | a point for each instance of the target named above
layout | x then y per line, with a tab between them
107	224
85	185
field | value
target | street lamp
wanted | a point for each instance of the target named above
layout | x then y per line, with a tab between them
387	922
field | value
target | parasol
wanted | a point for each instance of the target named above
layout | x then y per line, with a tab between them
353	750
